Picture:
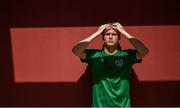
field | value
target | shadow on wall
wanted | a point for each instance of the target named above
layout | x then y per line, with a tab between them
79	94
154	93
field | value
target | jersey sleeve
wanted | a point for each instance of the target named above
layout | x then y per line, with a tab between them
89	54
132	56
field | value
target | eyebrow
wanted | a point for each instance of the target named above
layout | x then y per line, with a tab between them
111	33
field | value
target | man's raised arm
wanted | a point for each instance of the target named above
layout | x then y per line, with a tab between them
79	48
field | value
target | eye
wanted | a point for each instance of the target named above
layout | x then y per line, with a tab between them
107	34
114	34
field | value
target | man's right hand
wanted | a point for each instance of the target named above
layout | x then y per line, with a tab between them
79	48
102	28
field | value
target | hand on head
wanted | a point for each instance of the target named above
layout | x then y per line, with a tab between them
117	26
105	27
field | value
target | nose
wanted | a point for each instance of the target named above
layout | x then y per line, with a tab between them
110	36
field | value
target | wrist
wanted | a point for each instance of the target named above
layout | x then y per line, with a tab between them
127	35
96	34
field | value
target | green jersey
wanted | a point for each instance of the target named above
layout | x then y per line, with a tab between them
111	76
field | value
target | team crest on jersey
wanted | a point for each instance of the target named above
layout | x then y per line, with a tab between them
102	60
119	62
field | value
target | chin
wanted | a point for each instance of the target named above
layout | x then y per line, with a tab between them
111	44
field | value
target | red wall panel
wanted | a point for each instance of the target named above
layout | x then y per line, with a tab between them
44	54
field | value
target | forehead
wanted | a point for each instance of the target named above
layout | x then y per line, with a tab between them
111	31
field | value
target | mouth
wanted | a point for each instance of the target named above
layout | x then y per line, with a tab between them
110	41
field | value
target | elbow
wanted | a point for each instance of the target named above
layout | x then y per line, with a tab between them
145	52
74	51
142	54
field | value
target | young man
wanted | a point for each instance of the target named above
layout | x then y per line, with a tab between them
111	66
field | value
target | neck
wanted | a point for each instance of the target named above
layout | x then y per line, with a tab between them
110	49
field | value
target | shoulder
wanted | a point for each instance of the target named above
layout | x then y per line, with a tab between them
132	55
130	50
127	51
89	54
91	50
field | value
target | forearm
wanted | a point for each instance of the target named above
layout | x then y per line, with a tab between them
79	48
142	50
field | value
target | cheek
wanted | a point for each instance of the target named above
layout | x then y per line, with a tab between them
105	38
102	37
116	38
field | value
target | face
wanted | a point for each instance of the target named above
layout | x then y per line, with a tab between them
111	37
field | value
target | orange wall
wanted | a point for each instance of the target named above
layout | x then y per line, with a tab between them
44	54
44	66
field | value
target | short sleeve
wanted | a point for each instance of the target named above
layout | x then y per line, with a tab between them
132	56
89	54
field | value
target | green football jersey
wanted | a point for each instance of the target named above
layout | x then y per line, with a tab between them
111	76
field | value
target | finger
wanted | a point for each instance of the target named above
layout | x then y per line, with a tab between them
117	24
104	26
114	25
